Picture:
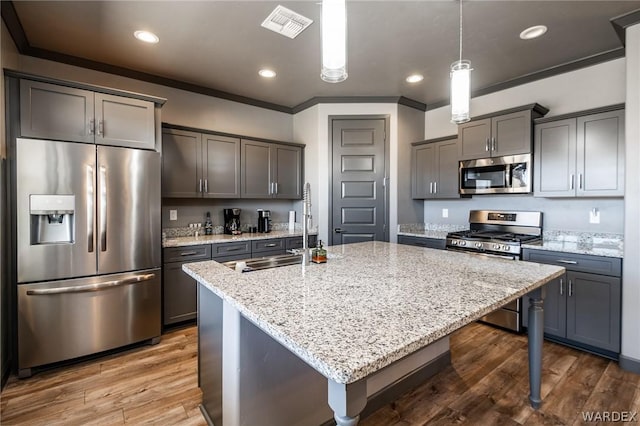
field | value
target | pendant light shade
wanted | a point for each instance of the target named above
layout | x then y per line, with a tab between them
334	41
460	91
460	86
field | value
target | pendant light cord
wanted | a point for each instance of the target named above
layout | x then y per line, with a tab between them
460	31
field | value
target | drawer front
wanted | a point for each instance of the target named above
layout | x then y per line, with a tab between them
259	246
296	242
232	249
189	253
576	262
422	242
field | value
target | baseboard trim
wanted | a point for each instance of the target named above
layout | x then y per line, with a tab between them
629	364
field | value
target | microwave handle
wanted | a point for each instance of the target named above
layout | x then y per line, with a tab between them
507	176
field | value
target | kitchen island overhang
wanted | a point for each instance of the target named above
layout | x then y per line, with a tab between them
372	305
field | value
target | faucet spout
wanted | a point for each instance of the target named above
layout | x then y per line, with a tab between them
306	214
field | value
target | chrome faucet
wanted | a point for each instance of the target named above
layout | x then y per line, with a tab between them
306	215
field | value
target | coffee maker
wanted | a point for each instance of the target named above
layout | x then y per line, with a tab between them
264	220
232	221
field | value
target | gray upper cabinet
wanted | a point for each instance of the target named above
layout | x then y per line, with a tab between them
581	156
507	134
271	170
181	163
434	169
196	165
221	166
58	112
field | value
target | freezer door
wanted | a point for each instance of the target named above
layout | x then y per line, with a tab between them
128	209
55	220
67	319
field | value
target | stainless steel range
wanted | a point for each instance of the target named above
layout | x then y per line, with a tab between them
499	233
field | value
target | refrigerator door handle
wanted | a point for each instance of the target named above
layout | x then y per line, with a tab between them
103	208
90	212
91	287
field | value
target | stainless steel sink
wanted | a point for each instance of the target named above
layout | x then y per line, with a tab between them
264	262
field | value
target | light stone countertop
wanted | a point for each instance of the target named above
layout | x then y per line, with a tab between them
372	303
427	233
597	244
225	238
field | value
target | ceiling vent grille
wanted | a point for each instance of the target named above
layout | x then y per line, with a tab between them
286	22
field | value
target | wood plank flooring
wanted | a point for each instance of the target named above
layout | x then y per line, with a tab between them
486	384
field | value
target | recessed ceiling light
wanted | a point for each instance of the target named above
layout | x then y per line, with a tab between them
414	78
146	36
533	32
267	73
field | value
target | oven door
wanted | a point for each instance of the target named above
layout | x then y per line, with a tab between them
511	175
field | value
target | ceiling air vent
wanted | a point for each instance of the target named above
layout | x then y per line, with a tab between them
286	22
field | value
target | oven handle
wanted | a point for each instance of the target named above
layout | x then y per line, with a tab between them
501	256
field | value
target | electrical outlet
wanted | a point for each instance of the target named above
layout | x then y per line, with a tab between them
594	216
445	212
173	214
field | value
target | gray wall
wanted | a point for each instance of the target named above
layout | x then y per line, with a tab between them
562	214
410	129
195	210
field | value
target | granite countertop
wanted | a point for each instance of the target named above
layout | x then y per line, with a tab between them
225	238
598	244
429	230
372	303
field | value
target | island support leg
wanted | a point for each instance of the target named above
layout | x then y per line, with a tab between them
347	401
536	330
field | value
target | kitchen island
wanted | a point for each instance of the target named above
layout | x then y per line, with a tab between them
372	307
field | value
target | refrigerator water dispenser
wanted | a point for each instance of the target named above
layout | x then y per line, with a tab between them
52	219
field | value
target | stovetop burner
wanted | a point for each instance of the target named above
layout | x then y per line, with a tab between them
497	233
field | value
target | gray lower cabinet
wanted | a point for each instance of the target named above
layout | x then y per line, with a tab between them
52	111
435	243
434	169
271	170
582	307
179	289
271	247
296	242
580	156
200	165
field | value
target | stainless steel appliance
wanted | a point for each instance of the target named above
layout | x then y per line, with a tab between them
264	220
231	221
499	233
88	249
496	175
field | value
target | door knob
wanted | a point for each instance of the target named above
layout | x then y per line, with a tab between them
337	230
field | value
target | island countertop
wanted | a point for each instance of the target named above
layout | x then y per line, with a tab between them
373	303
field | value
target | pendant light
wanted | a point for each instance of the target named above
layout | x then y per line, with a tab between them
334	41
460	85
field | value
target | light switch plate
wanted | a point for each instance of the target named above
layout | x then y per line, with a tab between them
173	214
594	216
445	212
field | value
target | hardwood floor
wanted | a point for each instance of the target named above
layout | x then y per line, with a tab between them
487	384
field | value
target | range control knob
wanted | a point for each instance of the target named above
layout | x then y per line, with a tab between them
462	243
497	246
479	245
454	242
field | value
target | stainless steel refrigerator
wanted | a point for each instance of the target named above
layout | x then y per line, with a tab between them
88	249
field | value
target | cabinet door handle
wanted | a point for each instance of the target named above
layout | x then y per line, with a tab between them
100	128
570	288
494	144
188	253
206	186
486	145
275	184
430	187
435	187
200	185
572	180
568	262
92	126
579	180
233	248
271	245
561	287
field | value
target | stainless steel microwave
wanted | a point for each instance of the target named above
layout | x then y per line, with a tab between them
497	175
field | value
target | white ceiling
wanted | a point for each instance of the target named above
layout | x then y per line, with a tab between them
220	45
